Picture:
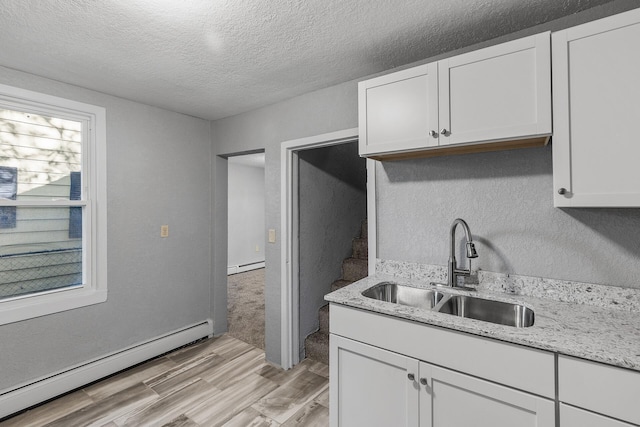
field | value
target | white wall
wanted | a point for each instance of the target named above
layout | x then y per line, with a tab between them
246	214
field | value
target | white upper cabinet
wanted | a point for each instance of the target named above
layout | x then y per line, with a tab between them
399	110
502	92
497	97
596	101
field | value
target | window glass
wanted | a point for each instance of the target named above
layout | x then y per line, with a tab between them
40	152
41	235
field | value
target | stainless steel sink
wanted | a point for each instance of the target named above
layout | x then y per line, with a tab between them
405	295
499	312
503	313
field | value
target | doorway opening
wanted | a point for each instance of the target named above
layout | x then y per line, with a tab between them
332	211
246	248
294	298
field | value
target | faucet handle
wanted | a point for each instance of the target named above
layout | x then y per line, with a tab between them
471	250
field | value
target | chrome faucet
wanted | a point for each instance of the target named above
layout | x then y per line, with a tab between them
454	271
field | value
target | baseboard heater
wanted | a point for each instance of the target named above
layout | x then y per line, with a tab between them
233	269
40	390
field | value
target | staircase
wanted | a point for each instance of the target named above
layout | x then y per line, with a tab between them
353	268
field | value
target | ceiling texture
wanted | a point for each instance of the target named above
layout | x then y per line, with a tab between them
217	58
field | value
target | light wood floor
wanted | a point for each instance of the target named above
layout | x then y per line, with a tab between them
217	382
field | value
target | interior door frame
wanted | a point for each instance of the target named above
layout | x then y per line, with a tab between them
289	214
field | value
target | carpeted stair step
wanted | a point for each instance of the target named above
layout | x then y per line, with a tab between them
317	347
360	248
364	230
323	316
354	269
338	284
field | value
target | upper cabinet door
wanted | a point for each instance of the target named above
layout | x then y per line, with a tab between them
398	111
596	101
502	92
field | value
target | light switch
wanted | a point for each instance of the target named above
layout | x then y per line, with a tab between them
272	235
164	231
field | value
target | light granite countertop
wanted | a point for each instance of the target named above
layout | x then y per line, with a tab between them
602	333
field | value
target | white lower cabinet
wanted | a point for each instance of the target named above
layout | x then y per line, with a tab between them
452	399
612	392
371	386
575	417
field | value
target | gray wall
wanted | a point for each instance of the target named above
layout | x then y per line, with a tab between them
335	108
506	198
314	113
246	214
332	205
158	173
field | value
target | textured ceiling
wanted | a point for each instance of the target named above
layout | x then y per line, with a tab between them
216	58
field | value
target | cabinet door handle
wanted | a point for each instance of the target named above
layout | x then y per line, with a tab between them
433	133
562	191
411	377
444	131
424	381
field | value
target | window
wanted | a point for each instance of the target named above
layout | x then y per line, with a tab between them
52	204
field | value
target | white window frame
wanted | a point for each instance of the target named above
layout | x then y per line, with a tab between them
94	203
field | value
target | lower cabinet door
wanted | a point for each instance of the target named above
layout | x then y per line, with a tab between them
451	399
371	387
574	417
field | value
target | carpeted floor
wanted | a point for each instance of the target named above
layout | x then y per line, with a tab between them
245	305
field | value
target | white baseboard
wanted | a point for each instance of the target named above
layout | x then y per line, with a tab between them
233	269
26	395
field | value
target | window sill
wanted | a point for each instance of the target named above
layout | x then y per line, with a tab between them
55	302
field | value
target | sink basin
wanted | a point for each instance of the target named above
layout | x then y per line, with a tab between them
499	312
405	295
503	313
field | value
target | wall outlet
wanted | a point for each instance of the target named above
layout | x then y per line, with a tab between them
164	231
257	248
272	235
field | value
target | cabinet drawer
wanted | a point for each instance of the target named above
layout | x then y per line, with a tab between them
600	388
513	365
574	417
